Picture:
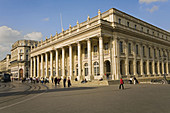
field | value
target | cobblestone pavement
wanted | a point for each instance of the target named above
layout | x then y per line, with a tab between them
38	98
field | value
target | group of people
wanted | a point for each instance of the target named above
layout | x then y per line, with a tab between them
46	80
135	81
57	81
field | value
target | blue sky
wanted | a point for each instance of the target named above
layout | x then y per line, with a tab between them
36	19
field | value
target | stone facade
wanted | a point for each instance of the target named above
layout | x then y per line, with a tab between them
5	64
20	58
112	43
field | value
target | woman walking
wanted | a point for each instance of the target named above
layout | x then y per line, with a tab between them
121	84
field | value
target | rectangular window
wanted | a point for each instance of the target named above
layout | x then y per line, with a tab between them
137	52
149	49
129	48
148	31
154	53
20	50
164	54
26	57
128	24
119	21
159	53
143	50
135	26
141	28
21	57
85	51
121	47
106	46
95	50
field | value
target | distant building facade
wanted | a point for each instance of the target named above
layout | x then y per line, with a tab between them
5	64
112	44
20	58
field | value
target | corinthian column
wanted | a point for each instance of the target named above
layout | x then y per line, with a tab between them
79	60
89	59
51	63
56	63
71	63
38	66
101	56
42	65
31	68
34	66
127	59
63	62
46	63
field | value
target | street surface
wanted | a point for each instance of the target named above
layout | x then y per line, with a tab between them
18	97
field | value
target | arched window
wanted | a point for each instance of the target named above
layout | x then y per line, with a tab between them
138	67
85	69
150	67
165	68
156	68
144	67
96	69
160	67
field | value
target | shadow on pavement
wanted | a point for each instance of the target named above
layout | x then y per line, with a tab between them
41	91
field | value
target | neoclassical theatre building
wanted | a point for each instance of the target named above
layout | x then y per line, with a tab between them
112	44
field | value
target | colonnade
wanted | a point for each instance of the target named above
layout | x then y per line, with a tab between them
122	64
37	62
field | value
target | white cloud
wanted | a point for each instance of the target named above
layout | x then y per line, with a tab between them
33	36
46	19
154	8
9	36
150	1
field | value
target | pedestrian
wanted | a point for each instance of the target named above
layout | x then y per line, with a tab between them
135	80
69	82
34	79
55	81
130	80
42	80
121	84
52	79
64	81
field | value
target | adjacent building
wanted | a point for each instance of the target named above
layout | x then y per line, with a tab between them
5	64
20	58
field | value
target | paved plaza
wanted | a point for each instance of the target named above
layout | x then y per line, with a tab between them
37	98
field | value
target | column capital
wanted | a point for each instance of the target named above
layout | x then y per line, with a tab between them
126	40
70	45
88	39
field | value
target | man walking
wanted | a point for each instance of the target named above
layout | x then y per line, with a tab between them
55	81
64	81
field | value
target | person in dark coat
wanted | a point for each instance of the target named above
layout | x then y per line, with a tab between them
55	81
52	79
121	84
64	81
69	82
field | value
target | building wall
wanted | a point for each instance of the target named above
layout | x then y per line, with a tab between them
20	56
5	64
107	37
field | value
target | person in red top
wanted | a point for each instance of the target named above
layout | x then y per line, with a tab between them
121	84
